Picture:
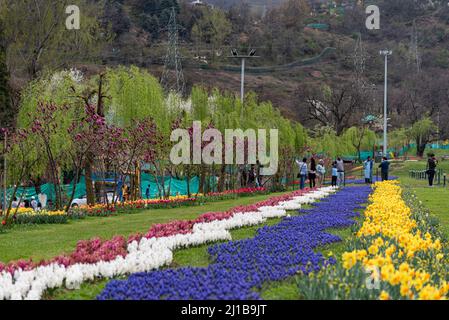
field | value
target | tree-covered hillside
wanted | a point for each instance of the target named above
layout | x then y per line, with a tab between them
307	53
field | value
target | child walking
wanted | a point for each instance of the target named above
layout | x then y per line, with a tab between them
334	174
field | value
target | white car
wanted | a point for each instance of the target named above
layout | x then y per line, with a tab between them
79	202
83	201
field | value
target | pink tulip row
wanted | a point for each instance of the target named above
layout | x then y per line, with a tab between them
96	250
238	191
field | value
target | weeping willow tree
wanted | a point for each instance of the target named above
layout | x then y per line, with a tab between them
200	111
301	138
134	94
254	115
287	143
51	149
422	132
325	141
399	140
226	114
360	138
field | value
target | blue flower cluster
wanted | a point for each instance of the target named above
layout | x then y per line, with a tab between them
239	268
361	181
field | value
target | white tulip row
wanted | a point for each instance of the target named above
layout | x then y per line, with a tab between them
145	255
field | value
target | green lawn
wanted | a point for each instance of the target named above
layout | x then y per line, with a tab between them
402	168
46	241
436	199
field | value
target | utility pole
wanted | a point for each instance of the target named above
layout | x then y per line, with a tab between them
359	59
4	173
386	53
413	57
236	55
242	82
173	77
438	128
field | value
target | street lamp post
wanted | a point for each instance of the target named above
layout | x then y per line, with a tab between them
242	82
386	53
235	55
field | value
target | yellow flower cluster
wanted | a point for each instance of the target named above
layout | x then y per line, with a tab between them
393	243
136	202
31	212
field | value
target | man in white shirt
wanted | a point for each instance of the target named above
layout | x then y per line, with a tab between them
15	203
341	171
302	172
34	203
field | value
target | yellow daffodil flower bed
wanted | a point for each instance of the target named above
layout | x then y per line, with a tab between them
396	254
29	216
31	212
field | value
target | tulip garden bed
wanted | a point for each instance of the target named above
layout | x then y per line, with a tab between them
27	216
293	255
96	258
20	242
198	256
102	210
193	257
240	269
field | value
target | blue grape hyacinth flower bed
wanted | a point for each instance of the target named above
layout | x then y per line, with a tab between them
240	268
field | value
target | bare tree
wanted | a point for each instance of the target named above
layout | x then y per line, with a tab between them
336	107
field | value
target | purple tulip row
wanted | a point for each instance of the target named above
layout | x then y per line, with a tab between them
239	268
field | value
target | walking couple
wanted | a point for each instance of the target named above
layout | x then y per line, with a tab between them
313	172
338	173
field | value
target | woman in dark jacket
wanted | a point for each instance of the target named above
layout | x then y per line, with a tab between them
431	169
312	173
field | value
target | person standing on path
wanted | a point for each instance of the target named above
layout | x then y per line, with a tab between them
312	173
431	169
302	175
368	170
259	166
148	192
244	176
321	172
252	177
384	166
334	174
125	194
341	171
